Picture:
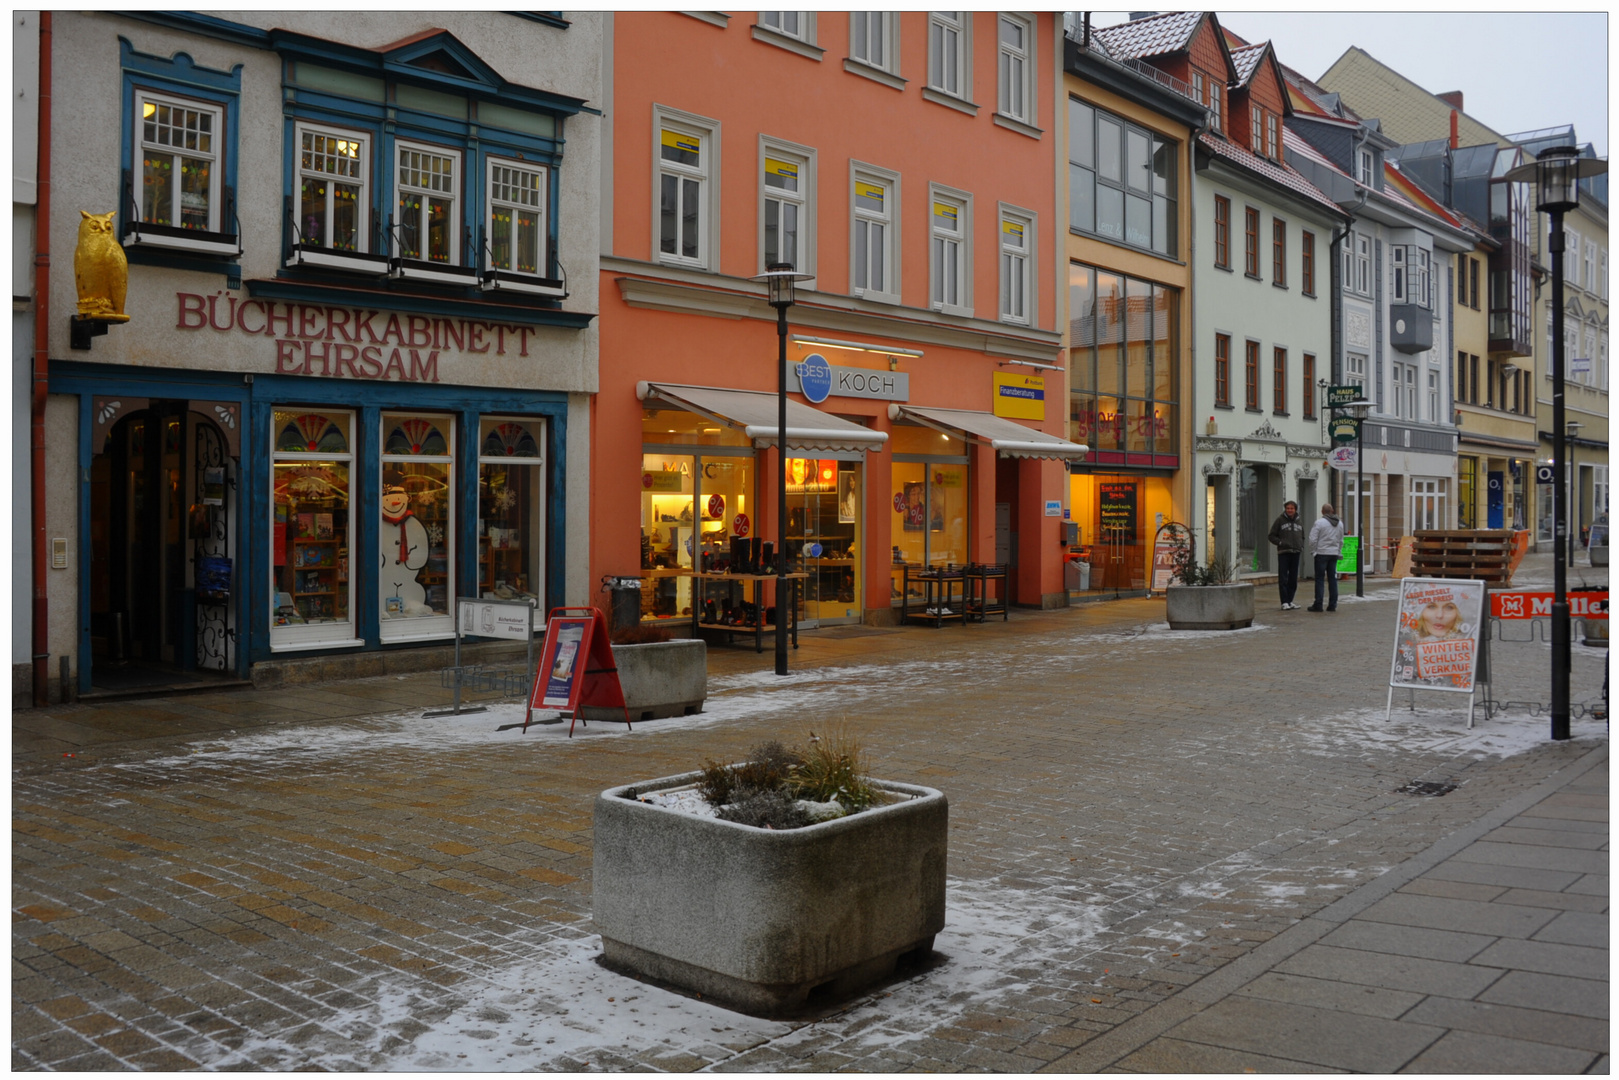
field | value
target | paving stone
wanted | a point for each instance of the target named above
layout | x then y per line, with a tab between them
1170	1055
1551	958
1553	993
1495	919
1332	994
1536	857
1565	901
1414	974
1386	937
1577	928
1534	1025
1477	1053
1332	1040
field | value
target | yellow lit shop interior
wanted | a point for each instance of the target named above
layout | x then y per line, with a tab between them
698	497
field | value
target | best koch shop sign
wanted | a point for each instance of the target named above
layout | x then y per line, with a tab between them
818	380
350	343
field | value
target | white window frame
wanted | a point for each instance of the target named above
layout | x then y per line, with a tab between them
1404	377
1363	264
889	219
1399	274
456	195
329	256
1214	105
943	57
1590	277
1017	276
1016	70
1363	167
804	157
799	25
544	208
950	252
1433	395
1355	371
1271	137
215	156
707	177
1425	502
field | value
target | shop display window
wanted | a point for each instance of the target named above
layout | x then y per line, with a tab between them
1118	518
311	588
1122	365
511	509
928	502
417	528
692	508
823	529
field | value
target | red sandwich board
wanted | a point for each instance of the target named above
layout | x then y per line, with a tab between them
576	666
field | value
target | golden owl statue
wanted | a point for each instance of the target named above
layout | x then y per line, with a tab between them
100	270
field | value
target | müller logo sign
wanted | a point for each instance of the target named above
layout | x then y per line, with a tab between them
352	343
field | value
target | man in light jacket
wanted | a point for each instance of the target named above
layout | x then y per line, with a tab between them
1326	541
1287	534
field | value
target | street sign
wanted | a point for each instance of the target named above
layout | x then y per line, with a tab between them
1579	365
1344	428
1343	458
1338	396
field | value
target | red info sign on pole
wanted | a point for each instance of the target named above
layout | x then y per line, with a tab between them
576	666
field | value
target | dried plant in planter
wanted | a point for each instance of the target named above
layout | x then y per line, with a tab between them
778	785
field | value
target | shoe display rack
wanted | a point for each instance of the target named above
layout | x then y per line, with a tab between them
985	591
730	615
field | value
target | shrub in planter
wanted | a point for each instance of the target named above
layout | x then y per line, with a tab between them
1207	597
764	908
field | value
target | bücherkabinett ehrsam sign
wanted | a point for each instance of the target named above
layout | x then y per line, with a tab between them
337	342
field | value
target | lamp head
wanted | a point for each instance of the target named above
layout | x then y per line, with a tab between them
780	278
1557	173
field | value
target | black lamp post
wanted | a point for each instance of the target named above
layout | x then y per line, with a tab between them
1557	174
780	278
1573	429
1359	409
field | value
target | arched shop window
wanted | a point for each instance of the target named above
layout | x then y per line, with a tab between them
312	591
417	528
511	509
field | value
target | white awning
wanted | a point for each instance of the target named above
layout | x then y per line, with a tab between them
754	414
1007	437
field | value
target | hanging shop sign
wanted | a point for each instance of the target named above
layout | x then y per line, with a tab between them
1344	428
1020	397
1343	458
1339	396
818	380
335	342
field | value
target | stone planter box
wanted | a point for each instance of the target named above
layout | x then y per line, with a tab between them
1598	554
663	678
768	922
1209	607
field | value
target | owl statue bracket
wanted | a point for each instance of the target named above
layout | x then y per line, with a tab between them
101	274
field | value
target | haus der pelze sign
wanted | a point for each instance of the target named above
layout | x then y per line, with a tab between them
351	343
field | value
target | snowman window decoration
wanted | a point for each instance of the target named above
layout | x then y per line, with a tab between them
404	552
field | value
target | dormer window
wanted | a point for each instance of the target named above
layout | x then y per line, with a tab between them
1364	161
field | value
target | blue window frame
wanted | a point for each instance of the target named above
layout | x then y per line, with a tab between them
421	164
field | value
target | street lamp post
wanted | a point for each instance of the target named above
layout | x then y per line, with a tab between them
780	278
1359	409
1557	174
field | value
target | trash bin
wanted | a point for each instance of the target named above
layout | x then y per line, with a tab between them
624	606
1076	574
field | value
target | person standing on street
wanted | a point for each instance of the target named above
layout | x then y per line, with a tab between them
1326	540
1287	534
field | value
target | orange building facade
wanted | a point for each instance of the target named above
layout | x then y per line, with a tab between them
907	162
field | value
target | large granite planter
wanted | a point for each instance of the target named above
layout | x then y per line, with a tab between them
768	922
1209	607
1598	554
664	678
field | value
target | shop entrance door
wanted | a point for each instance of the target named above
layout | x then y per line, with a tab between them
161	513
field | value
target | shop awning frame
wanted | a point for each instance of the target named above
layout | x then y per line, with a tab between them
1006	437
753	412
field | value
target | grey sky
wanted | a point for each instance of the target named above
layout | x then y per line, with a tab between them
1516	71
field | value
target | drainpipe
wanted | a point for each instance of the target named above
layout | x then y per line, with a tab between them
42	307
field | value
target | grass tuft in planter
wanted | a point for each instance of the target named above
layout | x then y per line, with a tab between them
772	789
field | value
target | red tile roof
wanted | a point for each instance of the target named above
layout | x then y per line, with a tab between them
1275	172
1247	59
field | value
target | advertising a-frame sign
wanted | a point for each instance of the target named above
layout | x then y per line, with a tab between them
576	667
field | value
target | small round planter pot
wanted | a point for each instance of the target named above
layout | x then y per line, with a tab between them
1209	607
768	922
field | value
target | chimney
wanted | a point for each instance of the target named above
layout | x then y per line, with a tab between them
1454	100
1455	137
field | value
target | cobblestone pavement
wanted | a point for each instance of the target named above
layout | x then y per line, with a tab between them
323	879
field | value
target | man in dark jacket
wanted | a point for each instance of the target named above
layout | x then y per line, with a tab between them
1287	534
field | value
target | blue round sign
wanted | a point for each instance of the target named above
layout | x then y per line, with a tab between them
815	377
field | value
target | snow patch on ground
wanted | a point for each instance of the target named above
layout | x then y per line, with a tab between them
1437	727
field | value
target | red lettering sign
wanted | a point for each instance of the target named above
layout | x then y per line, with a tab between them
1590	604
